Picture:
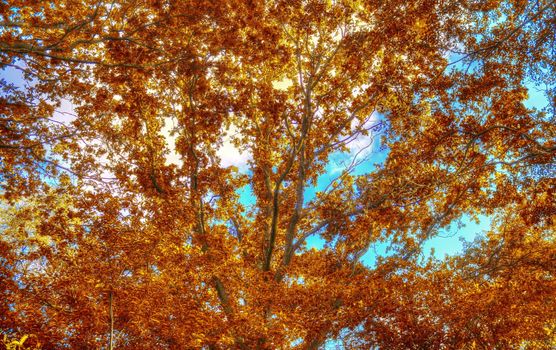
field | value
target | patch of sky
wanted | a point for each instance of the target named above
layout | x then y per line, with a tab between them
296	342
246	195
451	240
376	250
339	162
537	97
155	269
315	242
12	75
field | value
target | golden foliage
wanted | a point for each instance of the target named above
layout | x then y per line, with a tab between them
125	223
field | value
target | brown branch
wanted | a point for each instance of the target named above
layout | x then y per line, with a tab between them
324	223
111	340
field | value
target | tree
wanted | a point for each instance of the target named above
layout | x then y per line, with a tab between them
123	228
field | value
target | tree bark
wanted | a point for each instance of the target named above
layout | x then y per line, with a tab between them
111	341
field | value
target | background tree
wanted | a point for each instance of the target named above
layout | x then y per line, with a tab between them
123	225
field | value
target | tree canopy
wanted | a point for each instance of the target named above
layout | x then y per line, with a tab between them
126	225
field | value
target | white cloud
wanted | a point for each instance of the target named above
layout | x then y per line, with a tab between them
65	114
359	146
283	84
172	157
363	144
230	155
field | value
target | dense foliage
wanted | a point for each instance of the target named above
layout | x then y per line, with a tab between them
123	224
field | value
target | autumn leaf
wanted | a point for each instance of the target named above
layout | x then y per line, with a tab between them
270	174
